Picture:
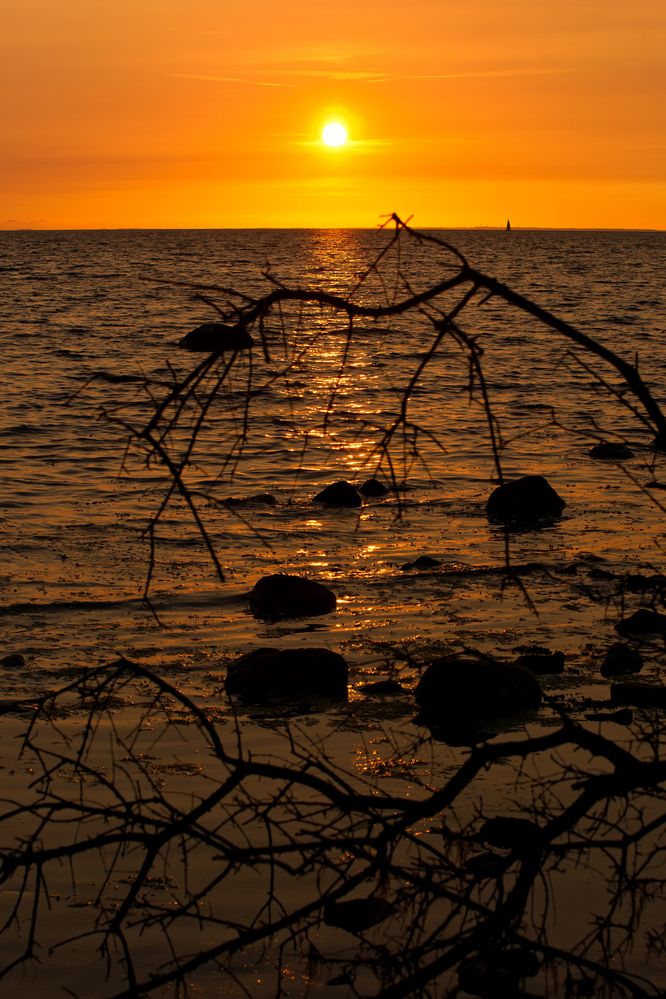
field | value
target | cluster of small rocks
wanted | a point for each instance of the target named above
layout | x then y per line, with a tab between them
453	691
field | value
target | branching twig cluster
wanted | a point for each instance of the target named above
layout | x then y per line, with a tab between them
285	326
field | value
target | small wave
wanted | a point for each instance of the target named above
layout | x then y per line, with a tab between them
63	606
23	430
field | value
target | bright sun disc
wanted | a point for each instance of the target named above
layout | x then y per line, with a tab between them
334	134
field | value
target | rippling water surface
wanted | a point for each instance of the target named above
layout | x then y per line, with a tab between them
72	513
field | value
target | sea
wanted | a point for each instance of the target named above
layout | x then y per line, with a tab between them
75	504
101	558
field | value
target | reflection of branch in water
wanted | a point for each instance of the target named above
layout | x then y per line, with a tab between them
262	856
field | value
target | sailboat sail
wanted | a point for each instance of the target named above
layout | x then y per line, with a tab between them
508	225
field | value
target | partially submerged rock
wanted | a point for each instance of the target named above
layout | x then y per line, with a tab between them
373	488
216	338
639	695
282	596
453	690
525	502
509	832
611	451
269	674
638	582
382	688
13	661
422	562
642	622
497	973
357	914
256	499
623	716
538	659
621	658
340	493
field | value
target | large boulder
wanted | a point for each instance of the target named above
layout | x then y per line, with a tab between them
282	596
216	338
340	493
525	502
269	674
456	690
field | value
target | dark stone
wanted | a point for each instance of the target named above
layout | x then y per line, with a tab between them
596	573
452	734
425	562
525	502
382	688
623	716
642	622
496	974
487	865
282	596
340	493
216	338
13	661
640	695
610	450
454	690
274	674
511	833
621	658
258	499
541	660
373	488
637	582
422	562
357	914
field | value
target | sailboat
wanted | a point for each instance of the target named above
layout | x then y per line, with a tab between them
508	225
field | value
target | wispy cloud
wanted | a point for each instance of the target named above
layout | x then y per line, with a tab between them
229	79
302	72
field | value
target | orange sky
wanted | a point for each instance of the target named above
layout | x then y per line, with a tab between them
207	113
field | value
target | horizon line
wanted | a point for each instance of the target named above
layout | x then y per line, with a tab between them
337	228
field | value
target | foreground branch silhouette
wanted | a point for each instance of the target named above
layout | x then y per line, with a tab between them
170	438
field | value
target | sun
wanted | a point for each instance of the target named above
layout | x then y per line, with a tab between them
334	134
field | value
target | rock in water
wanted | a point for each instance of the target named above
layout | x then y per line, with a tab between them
642	622
621	658
422	562
357	914
282	596
13	661
273	674
611	451
218	338
340	494
525	502
456	690
373	487
640	695
540	660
